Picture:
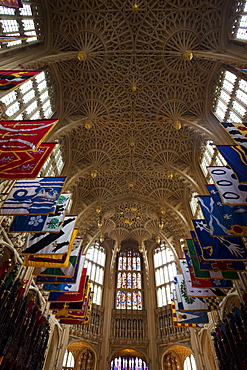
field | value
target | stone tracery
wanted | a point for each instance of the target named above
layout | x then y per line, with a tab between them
132	82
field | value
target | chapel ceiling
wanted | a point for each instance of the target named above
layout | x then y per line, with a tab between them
141	69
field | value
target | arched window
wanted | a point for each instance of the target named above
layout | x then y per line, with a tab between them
31	100
68	361
195	207
165	270
131	363
239	31
95	263
210	156
21	21
54	164
230	101
129	281
190	363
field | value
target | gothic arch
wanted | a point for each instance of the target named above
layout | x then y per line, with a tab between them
174	356
78	348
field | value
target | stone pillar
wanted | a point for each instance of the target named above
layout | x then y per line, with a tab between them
108	298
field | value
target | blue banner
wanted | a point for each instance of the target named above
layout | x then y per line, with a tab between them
42	223
213	217
38	196
219	248
226	265
235	216
236	158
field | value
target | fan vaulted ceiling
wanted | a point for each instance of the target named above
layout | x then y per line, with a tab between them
135	77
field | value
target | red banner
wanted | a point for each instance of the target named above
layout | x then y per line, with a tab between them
24	165
70	297
12	79
12	3
22	136
72	322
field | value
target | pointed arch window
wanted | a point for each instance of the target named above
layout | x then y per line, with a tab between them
54	164
129	281
131	363
95	263
165	270
190	363
210	156
68	361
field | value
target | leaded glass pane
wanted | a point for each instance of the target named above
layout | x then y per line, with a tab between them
138	264
26	10
135	301
119	280
26	86
128	263
129	300
124	281
139	282
7	10
230	104
234	118
120	263
134	281
95	270
29	96
238	108
157	277
164	274
129	285
9	98
40	77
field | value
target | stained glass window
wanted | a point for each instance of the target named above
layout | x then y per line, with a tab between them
165	270
95	263
129	281
130	363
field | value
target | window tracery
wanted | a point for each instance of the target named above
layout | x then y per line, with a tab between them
20	21
131	363
54	164
240	25
95	263
129	281
68	361
190	363
210	156
165	270
31	100
230	101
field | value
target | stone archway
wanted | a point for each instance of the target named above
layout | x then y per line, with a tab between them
174	357
126	358
84	355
